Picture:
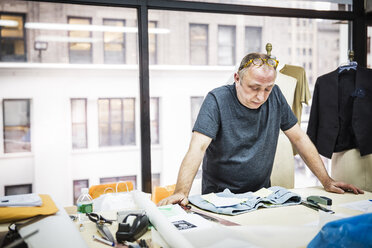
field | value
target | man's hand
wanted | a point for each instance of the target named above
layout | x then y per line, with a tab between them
341	187
177	198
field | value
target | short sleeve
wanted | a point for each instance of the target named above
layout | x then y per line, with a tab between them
208	120
287	117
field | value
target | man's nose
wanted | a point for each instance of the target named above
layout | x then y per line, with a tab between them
261	95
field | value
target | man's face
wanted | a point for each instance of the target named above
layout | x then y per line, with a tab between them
255	86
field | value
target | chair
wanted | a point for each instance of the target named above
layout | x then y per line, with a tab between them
97	190
160	193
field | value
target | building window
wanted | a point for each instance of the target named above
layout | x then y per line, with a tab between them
80	45
77	186
116	122
132	179
17	127
253	39
226	45
199	44
79	123
196	102
12	38
155	180
304	51
153	43
18	189
114	42
154	119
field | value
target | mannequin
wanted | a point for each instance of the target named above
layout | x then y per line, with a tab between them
283	167
350	167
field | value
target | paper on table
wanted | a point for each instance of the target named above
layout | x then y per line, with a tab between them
20	200
222	201
263	192
363	206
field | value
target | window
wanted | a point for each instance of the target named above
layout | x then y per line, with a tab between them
77	186
198	44
114	42
79	123
196	102
116	122
18	189
304	51
253	39
226	45
17	127
80	45
155	180
310	52
154	119
12	38
132	179
153	43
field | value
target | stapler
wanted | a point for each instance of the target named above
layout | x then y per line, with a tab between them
132	232
313	202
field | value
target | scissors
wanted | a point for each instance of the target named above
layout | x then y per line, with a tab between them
101	227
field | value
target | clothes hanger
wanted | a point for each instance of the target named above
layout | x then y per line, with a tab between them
351	65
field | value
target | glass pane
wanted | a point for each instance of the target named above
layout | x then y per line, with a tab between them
18	189
298	4
154	120
198	44
178	114
77	186
226	45
103	106
78	110
79	135
116	110
70	53
17	132
153	42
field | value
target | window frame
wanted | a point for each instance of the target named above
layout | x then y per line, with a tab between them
359	35
231	46
90	36
7	187
14	38
122	122
124	52
206	43
29	122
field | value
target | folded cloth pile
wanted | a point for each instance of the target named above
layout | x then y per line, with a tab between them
279	197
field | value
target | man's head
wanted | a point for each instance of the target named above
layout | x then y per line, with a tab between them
255	79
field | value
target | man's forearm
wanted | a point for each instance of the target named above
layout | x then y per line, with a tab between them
311	157
188	170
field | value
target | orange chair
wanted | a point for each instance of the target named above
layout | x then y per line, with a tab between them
97	190
160	193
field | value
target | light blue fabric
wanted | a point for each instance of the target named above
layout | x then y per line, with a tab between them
279	197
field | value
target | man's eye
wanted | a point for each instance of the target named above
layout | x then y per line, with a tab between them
267	90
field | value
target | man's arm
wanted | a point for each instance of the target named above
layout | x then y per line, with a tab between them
189	167
311	157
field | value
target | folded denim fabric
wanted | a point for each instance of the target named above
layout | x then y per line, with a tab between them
279	197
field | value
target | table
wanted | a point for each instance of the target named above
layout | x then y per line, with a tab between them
290	226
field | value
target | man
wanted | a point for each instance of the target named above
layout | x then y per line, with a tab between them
237	132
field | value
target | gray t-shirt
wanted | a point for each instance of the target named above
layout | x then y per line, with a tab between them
241	154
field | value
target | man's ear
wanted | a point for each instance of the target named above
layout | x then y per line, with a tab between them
236	77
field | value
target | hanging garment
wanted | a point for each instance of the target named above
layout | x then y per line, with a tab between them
302	92
327	126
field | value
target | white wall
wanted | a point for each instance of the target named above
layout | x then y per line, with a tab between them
53	164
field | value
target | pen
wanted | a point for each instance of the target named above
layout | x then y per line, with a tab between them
104	241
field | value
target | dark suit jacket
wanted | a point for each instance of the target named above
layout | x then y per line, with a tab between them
323	124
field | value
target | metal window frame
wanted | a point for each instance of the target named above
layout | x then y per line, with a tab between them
358	35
